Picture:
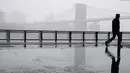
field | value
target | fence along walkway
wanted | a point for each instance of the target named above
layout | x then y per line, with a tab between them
82	39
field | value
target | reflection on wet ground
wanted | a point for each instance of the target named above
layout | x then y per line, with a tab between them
60	60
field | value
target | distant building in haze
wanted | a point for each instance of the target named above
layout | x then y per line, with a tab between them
94	26
14	20
15	17
50	17
1	17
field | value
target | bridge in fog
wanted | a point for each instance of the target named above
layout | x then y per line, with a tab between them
87	20
79	38
80	19
92	14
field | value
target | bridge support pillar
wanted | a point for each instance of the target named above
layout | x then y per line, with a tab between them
80	16
79	59
80	25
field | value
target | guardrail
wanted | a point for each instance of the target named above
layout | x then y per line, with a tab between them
83	40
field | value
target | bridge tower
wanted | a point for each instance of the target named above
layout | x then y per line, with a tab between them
80	16
80	25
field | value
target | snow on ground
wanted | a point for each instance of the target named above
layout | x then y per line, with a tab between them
57	60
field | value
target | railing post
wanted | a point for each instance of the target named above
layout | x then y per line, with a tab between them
70	38
40	38
96	38
55	38
83	38
25	38
8	37
108	35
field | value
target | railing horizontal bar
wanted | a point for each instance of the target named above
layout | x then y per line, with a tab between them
65	39
51	31
61	31
16	31
3	39
37	43
16	39
2	30
61	39
34	43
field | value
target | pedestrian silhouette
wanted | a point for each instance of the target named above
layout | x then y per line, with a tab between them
114	64
115	30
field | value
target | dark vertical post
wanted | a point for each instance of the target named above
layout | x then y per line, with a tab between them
25	38
40	38
8	36
55	38
108	35
83	38
96	38
70	37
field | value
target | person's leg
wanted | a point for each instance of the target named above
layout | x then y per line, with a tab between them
118	62
118	52
109	40
119	38
119	44
113	65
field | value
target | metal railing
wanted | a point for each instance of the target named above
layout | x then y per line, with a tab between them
83	41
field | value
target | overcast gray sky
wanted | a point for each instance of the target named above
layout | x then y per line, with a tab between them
36	9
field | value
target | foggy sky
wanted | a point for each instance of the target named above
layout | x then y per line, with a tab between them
35	10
